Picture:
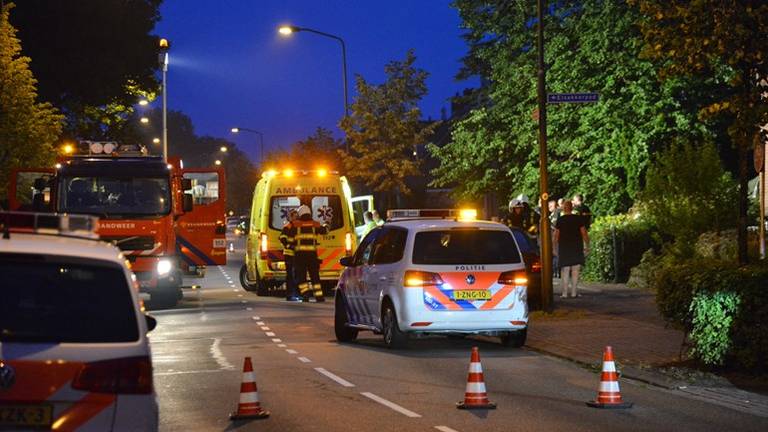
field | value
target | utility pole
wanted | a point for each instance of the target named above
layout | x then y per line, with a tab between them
545	234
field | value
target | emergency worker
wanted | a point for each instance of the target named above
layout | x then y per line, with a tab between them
370	224
288	239
307	232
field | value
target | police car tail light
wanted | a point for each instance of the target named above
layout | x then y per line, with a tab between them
263	245
131	375
348	243
536	266
417	278
516	277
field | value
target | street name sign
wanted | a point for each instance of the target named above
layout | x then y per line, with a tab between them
572	97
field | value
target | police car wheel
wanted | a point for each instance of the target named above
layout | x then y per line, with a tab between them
515	339
343	333
393	337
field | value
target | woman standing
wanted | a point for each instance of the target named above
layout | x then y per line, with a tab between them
571	243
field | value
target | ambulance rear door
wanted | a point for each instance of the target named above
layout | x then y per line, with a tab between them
360	205
30	189
201	233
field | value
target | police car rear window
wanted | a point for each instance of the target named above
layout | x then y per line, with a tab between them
51	300
451	247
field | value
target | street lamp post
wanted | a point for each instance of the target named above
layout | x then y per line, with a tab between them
253	131
164	47
287	30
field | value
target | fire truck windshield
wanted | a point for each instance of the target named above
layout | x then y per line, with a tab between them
115	196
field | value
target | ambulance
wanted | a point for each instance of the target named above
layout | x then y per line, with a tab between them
329	197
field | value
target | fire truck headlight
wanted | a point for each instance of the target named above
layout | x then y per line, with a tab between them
163	267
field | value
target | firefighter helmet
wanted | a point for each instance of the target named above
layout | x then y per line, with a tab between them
304	210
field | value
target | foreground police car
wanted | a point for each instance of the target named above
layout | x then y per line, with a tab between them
73	348
433	272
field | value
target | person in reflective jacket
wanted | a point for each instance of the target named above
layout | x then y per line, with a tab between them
288	239
307	234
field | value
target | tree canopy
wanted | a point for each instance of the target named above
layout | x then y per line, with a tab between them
28	129
600	150
92	58
724	41
384	128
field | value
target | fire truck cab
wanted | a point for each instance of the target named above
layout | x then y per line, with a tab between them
164	218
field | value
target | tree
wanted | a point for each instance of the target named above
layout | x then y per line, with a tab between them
724	41
28	129
92	58
321	148
384	129
600	150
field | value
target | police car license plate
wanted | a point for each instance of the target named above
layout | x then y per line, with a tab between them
26	415
472	295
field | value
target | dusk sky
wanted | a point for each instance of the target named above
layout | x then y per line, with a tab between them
229	66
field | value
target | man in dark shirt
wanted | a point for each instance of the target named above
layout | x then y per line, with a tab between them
581	209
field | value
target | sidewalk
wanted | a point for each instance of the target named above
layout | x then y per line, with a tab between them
627	319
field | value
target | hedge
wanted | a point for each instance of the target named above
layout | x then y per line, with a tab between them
620	239
722	307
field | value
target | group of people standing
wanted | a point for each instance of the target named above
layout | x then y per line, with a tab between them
569	222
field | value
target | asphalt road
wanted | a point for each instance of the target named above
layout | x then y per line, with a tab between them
309	382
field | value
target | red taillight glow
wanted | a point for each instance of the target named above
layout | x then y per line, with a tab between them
421	324
518	322
536	266
416	278
348	243
132	375
516	277
264	245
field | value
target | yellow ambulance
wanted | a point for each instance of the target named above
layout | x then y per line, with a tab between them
277	193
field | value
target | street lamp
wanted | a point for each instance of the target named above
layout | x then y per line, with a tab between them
253	131
143	102
288	30
163	58
223	149
144	120
156	140
218	162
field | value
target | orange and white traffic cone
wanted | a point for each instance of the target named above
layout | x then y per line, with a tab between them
249	407
608	394
475	396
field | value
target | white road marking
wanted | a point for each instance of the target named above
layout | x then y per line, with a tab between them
259	322
335	377
305	360
249	308
281	345
265	328
243	301
239	295
291	351
445	429
255	318
219	356
270	334
234	290
391	405
189	372
277	340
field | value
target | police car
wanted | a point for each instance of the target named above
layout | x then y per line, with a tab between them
434	272
74	354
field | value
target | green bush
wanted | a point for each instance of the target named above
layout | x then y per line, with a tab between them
712	318
687	192
625	235
678	285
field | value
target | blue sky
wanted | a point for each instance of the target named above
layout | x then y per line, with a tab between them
229	66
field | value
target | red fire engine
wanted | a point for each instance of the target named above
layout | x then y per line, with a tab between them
165	219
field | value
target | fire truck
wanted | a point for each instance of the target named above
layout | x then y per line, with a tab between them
166	219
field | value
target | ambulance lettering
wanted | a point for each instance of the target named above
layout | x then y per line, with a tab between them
298	190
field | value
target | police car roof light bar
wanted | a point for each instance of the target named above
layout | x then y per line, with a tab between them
66	225
423	214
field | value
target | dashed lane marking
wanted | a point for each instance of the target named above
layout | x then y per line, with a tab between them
291	351
255	318
249	308
445	429
265	328
259	322
281	345
335	377
270	334
391	405
277	340
304	360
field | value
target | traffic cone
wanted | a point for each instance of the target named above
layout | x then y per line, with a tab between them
475	396
608	394
249	407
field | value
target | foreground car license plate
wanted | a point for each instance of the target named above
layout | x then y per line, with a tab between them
26	415
472	295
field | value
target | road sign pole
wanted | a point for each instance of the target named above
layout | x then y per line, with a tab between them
545	234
